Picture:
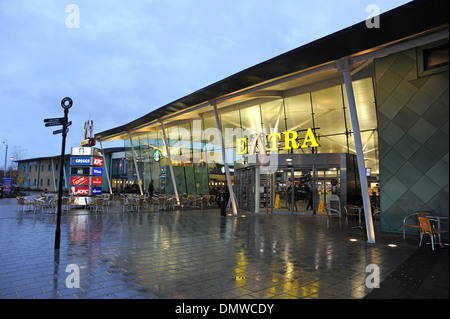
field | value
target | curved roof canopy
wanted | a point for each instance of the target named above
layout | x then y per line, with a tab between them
311	63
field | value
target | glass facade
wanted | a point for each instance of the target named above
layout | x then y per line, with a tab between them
193	140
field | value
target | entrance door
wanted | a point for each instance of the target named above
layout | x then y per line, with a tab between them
293	199
327	183
304	182
281	183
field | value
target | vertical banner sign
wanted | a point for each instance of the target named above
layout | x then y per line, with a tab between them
7	185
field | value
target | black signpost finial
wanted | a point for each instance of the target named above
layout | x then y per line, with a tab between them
66	104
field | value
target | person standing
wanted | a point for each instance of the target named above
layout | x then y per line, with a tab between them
151	189
309	196
289	194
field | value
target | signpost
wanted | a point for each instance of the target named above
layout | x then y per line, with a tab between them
66	104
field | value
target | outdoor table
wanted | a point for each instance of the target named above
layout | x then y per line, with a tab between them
437	219
28	203
359	208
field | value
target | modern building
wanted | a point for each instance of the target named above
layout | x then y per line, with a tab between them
360	111
42	173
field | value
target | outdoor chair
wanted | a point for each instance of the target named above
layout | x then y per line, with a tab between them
126	204
162	202
427	229
212	200
140	202
39	204
21	203
333	213
192	199
201	200
408	223
64	204
352	210
154	201
184	200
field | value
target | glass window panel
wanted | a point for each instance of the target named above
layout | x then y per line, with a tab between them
251	119
298	112
365	105
328	111
273	116
332	144
211	150
231	130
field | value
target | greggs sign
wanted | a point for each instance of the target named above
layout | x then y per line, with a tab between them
290	142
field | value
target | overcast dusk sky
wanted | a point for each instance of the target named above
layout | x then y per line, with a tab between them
122	59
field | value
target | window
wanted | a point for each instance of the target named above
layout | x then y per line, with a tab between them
432	59
48	182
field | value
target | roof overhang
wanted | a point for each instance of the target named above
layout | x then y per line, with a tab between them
415	23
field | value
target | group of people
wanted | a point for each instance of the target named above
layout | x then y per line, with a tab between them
309	196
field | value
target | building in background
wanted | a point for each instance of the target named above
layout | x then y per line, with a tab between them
42	173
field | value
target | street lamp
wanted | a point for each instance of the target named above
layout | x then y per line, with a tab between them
5	141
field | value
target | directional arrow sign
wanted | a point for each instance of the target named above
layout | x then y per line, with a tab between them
56	119
52	124
60	131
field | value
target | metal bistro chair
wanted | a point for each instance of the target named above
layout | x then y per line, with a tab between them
21	203
407	221
353	210
426	228
333	213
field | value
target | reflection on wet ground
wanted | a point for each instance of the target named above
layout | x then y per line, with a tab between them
190	254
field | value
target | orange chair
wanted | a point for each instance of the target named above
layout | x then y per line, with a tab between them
426	228
407	223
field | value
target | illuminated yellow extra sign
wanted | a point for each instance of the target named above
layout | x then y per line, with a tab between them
290	141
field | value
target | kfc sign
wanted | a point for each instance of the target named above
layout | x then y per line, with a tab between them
79	191
98	161
96	181
79	180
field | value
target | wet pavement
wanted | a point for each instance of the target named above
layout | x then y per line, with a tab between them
190	254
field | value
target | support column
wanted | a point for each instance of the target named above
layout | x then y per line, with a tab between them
224	159
170	163
106	169
257	194
344	65
135	164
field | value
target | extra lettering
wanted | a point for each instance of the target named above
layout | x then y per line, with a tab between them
290	142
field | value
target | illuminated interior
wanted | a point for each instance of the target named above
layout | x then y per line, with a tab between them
192	140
